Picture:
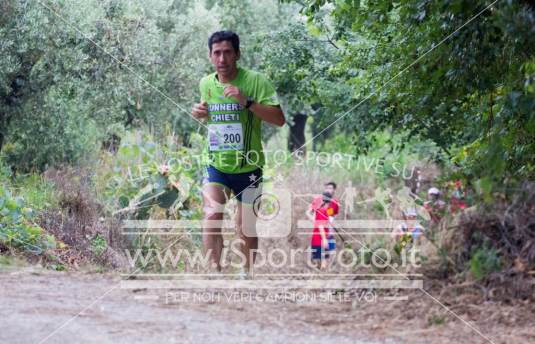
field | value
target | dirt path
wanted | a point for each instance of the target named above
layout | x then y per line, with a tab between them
34	303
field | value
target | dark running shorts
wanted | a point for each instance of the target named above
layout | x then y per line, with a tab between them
245	186
319	252
332	242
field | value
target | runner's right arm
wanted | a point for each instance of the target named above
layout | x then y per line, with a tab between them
200	110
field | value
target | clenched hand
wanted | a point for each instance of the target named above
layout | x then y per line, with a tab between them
200	110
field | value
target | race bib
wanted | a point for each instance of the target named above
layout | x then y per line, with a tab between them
225	136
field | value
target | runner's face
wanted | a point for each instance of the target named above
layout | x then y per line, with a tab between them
330	189
224	57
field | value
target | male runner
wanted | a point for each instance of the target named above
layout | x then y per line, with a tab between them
322	211
234	102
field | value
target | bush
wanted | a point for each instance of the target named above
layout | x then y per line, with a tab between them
99	244
50	138
484	261
78	220
35	190
17	228
129	181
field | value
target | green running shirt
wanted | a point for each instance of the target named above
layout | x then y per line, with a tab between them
234	132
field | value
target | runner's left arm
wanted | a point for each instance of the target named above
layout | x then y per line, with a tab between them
268	113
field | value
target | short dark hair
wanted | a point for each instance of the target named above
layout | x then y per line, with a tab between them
221	36
333	184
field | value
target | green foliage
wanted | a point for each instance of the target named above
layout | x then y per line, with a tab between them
301	66
41	141
99	269
472	94
436	320
17	228
35	190
131	180
57	267
11	261
375	252
384	155
484	261
102	66
99	244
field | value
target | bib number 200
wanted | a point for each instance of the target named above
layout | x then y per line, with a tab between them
232	138
224	137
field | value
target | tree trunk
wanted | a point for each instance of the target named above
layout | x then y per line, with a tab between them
297	133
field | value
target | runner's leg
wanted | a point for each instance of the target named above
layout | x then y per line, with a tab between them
214	199
245	226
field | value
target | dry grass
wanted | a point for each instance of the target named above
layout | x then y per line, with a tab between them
79	220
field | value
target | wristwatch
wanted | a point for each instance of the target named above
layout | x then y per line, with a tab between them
250	102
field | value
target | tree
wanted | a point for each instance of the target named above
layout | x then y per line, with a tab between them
472	93
75	75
